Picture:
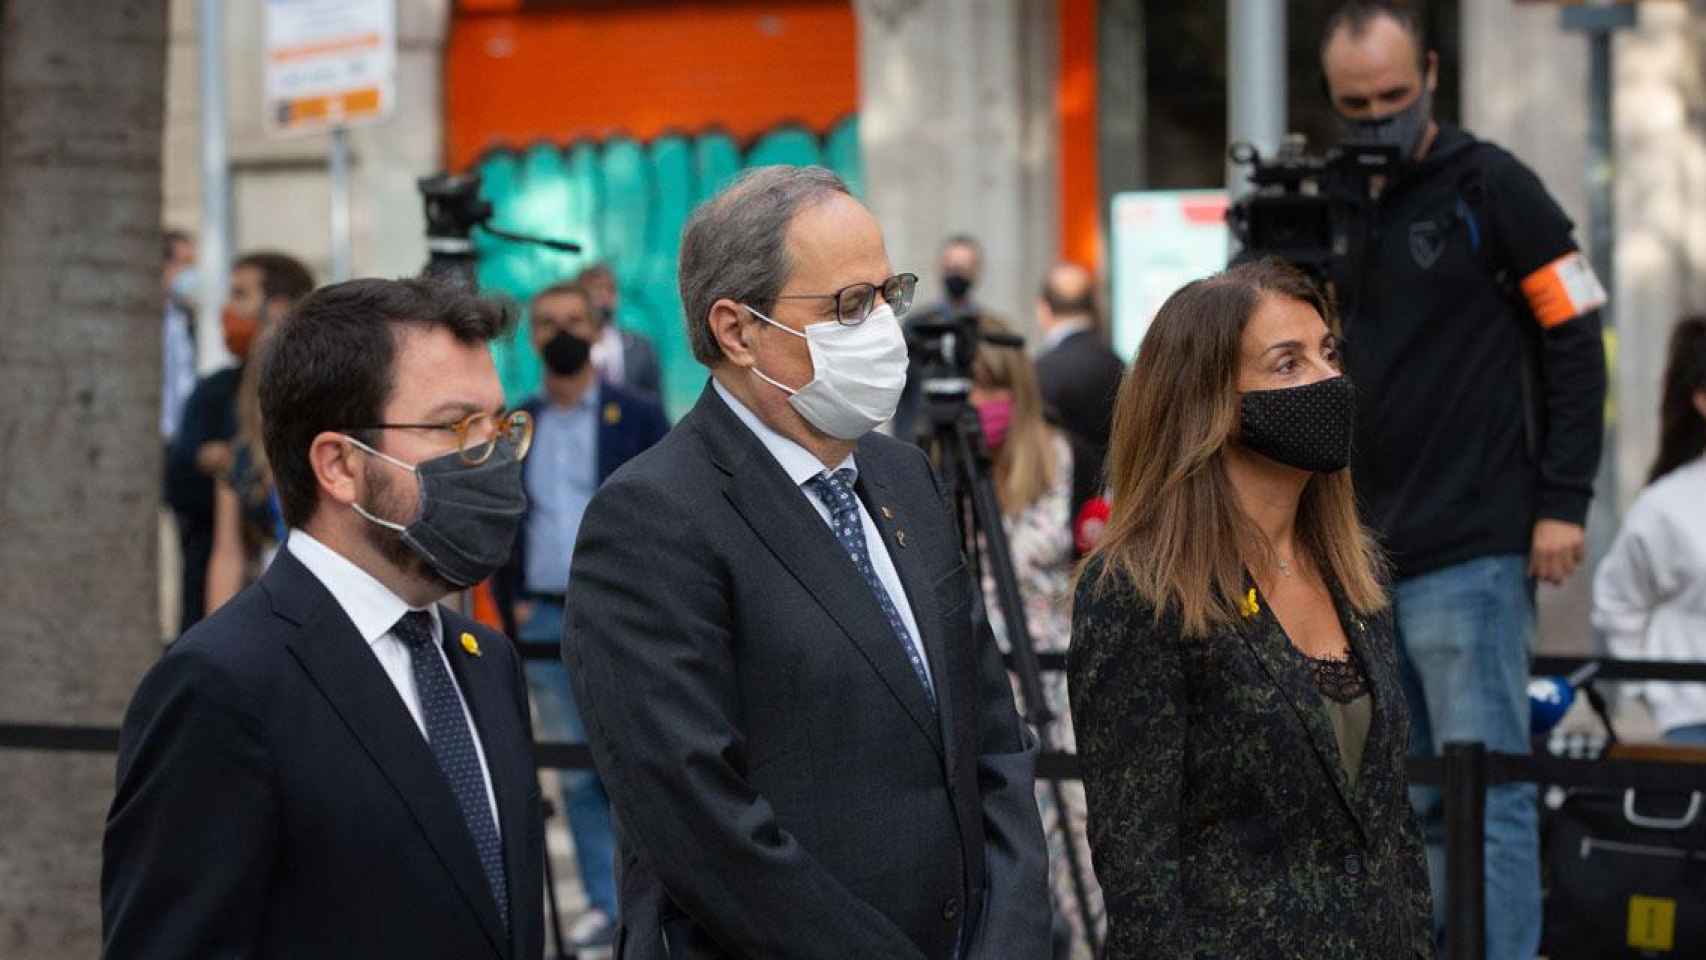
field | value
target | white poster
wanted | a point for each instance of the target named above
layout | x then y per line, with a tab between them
329	63
1161	241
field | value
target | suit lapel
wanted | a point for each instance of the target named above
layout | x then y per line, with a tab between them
778	512
486	686
1284	665
340	664
891	519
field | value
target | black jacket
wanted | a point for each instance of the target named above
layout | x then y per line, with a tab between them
1222	824
1080	379
276	799
782	787
1473	421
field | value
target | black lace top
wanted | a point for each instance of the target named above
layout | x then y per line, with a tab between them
1338	680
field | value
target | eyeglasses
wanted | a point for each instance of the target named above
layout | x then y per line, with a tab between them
853	303
477	434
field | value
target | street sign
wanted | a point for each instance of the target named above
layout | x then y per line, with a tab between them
1162	240
329	63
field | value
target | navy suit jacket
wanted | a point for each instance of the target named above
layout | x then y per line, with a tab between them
276	799
628	423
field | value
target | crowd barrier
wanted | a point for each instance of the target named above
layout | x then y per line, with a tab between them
1464	773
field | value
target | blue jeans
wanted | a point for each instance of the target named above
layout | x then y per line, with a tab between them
584	800
1464	637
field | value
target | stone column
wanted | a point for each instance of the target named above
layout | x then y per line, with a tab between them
956	120
80	91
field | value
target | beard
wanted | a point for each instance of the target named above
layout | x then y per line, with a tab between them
385	501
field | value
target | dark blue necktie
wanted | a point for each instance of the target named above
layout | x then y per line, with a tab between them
453	745
836	492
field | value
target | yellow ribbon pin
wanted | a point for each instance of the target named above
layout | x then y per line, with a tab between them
612	413
1248	606
470	644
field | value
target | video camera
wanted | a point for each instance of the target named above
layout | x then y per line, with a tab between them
1297	211
454	208
944	348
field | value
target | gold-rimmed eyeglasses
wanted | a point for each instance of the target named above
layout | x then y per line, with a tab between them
853	302
477	434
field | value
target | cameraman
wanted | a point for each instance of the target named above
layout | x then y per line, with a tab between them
1472	333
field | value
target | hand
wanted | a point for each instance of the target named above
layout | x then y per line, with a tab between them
1557	551
213	458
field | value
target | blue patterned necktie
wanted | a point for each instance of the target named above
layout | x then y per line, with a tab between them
453	745
836	492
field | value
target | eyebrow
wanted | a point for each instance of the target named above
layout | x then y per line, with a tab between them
455	409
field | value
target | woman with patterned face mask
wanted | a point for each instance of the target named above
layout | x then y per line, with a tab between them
1234	683
1032	463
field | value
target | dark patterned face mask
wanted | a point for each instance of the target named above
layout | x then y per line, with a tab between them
1307	427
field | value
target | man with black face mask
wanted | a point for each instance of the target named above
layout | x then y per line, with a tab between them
1472	331
586	427
332	764
960	265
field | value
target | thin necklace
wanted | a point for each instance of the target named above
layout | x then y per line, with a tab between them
1284	567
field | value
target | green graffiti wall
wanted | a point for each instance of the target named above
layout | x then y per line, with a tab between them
625	203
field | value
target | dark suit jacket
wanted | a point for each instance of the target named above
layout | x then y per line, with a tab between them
275	798
1079	380
781	785
1222	824
641	371
628	424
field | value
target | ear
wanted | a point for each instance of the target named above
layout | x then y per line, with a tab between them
333	460
728	322
276	308
1700	402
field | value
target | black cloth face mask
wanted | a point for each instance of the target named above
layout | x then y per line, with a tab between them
1308	427
957	286
469	514
566	354
1403	129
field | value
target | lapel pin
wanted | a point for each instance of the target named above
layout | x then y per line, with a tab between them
900	537
470	644
612	413
887	513
1249	606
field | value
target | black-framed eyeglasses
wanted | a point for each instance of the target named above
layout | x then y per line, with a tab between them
477	434
853	302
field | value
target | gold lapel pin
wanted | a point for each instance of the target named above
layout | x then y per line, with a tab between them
900	537
470	644
887	513
612	413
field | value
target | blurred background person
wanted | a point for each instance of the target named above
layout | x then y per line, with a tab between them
623	358
178	279
248	520
960	265
1472	322
583	430
1078	372
264	285
1033	482
1650	591
1240	721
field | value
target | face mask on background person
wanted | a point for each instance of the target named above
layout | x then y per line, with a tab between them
186	286
1403	129
469	513
565	354
858	373
1307	427
957	285
607	315
240	330
995	416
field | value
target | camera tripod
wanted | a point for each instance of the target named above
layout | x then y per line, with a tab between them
957	446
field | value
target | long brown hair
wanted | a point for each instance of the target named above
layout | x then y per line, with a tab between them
1025	463
1176	530
1682	429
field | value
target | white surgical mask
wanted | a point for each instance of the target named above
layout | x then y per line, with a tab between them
858	373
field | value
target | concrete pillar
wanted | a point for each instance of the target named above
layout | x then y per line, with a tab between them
81	81
956	121
281	194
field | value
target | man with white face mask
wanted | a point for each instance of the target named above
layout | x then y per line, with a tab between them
811	751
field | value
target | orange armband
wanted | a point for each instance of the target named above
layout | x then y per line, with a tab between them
1563	290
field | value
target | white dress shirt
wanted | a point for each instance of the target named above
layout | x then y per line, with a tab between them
801	466
374	610
1649	594
1061	331
608	355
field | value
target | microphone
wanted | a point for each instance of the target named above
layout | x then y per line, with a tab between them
1549	698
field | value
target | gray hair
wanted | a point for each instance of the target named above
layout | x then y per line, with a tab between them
735	245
